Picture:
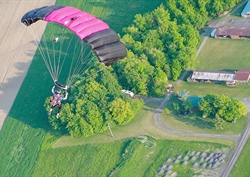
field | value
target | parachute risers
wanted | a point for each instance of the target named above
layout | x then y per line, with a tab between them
64	87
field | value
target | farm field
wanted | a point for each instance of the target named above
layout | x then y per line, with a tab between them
29	147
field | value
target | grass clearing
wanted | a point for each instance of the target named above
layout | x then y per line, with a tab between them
241	167
201	89
224	54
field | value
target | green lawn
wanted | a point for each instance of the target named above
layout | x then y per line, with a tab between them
201	89
224	54
241	167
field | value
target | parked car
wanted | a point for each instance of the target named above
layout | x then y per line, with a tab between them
129	93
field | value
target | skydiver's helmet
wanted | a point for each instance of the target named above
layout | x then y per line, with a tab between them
58	92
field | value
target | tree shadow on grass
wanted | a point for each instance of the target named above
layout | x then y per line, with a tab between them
195	120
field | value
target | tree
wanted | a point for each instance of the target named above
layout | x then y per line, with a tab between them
219	123
167	111
121	111
176	107
222	106
187	105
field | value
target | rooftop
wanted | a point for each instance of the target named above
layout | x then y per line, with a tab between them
242	75
230	31
214	75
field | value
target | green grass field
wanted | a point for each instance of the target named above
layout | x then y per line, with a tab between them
29	147
241	167
224	54
100	159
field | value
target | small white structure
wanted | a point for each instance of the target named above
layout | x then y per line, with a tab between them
246	11
129	93
213	32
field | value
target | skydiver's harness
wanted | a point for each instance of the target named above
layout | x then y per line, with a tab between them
56	100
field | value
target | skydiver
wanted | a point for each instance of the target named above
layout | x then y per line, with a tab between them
56	100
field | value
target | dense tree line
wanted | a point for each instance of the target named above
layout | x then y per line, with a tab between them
222	107
163	43
94	102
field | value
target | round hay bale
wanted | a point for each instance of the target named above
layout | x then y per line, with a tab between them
178	157
192	153
163	166
188	152
216	164
195	164
184	163
203	154
197	153
207	159
169	167
185	158
201	159
223	156
176	161
193	158
203	165
168	160
211	155
168	172
211	160
209	165
174	174
220	159
159	172
215	159
216	155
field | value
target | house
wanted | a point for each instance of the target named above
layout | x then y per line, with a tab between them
246	11
229	77
242	76
232	33
212	76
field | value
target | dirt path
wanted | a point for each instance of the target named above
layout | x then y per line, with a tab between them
16	49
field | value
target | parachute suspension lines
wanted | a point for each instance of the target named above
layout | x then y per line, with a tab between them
83	61
37	42
54	55
64	57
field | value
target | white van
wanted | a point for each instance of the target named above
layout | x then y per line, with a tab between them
129	93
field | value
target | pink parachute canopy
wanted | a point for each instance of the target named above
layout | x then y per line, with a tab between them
81	23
